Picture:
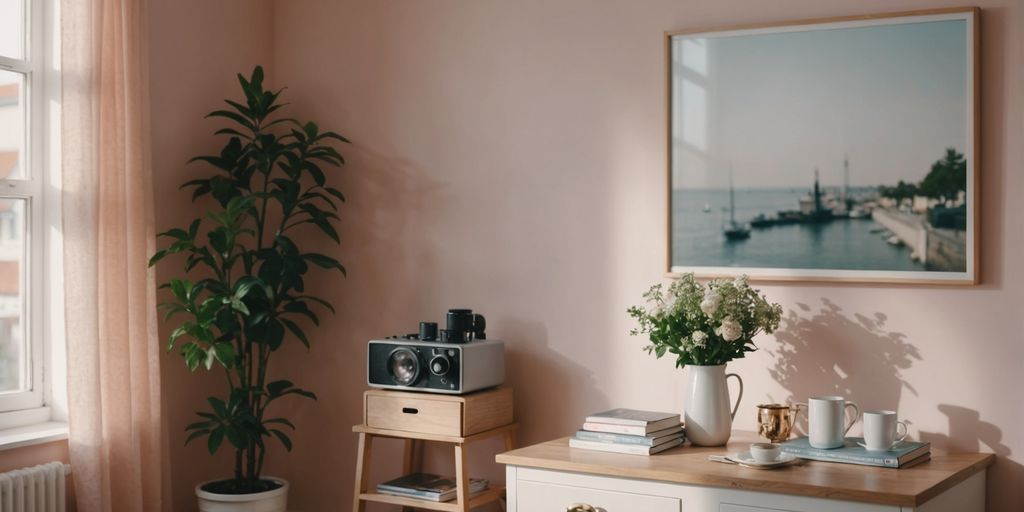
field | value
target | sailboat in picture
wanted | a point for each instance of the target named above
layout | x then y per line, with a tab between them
734	230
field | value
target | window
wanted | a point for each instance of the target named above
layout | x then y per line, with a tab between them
24	173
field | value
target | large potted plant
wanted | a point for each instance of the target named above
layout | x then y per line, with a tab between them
248	296
705	327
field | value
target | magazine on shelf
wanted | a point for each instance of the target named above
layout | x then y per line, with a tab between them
428	486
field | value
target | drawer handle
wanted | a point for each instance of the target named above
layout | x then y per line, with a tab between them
410	410
581	507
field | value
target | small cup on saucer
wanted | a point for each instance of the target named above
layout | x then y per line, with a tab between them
765	452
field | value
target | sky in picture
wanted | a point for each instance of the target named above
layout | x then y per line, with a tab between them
773	107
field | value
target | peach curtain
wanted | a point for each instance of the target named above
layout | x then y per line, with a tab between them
116	440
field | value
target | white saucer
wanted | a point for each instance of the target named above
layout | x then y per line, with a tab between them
891	448
748	460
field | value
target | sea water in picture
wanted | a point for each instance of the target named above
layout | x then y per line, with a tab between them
828	150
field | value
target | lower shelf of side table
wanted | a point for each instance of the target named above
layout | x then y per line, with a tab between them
486	496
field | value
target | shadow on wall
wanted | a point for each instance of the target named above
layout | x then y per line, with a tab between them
553	392
829	352
384	249
969	433
552	395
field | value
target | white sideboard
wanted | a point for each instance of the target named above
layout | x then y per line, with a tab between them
554	477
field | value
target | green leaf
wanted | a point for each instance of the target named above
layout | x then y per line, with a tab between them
181	288
232	131
336	193
275	388
281	421
332	135
199	425
324	261
326	227
196	434
178	233
311	129
236	438
316	173
281	436
240	306
216	438
234	116
296	331
257	78
318	300
242	109
218	405
225	353
157	257
301	308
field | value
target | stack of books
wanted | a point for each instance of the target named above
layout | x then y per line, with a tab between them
427	486
903	455
630	431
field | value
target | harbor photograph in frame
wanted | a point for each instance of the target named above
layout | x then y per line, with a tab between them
839	149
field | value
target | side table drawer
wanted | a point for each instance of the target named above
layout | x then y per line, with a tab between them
414	414
545	497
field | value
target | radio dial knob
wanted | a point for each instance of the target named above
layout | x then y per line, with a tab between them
440	365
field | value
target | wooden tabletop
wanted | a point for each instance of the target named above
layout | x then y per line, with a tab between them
908	487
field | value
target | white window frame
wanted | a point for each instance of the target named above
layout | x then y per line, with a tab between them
42	277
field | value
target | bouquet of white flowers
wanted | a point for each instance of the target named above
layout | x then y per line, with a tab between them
704	325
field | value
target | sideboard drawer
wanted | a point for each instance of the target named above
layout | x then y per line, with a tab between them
545	497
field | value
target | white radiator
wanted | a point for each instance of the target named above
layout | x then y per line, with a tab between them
35	489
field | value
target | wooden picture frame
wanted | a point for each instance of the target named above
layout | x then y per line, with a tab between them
944	223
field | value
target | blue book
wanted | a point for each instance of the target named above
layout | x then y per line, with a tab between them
904	454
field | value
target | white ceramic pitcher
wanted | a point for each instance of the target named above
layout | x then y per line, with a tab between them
708	414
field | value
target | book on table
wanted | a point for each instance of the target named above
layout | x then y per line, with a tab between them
428	486
631	449
651	420
653	439
903	454
630	430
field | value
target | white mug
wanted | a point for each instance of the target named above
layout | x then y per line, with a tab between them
881	430
826	427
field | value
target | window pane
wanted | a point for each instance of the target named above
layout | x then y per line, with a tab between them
12	124
12	28
14	350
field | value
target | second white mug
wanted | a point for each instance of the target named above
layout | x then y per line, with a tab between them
826	425
882	430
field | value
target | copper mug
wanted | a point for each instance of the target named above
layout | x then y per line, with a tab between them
775	421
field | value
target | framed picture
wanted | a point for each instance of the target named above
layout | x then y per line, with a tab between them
841	149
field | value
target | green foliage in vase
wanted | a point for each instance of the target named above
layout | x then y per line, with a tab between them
249	297
704	325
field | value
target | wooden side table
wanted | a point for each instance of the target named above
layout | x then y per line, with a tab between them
463	503
459	420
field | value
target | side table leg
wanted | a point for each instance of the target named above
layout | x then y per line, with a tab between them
362	471
510	440
410	462
461	478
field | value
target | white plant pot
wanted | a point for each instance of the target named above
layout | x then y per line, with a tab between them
708	414
269	501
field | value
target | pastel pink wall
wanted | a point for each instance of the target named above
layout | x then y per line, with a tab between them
508	156
196	47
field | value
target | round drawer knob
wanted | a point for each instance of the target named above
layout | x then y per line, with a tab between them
581	507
